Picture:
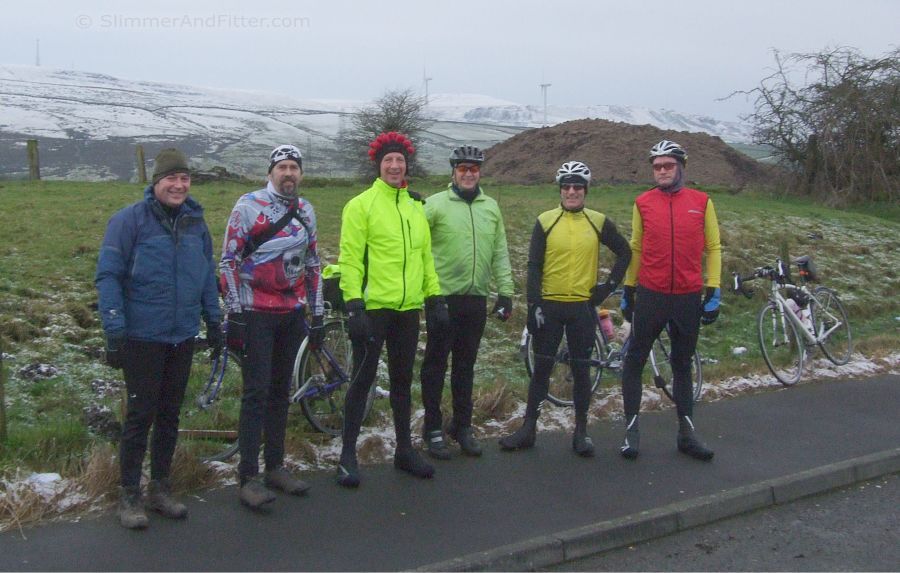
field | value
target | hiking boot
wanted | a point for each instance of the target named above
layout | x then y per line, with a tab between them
131	508
160	500
254	494
409	460
467	442
283	481
582	444
436	446
632	442
348	469
688	442
521	439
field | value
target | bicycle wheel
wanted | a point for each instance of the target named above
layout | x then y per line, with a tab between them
321	380
781	346
208	422
828	314
561	380
660	363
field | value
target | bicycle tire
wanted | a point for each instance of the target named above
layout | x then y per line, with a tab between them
782	348
560	383
324	407
660	364
208	428
838	346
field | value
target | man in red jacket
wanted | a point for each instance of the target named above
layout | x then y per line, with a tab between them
672	228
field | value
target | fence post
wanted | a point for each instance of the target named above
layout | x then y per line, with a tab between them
34	164
140	164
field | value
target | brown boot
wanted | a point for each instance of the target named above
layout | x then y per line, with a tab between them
131	508
160	500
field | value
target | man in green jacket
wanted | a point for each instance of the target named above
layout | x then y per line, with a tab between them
387	273
468	240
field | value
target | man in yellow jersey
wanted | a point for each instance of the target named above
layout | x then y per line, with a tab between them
562	291
672	228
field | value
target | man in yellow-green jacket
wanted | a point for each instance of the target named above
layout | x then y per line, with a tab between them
468	240
387	273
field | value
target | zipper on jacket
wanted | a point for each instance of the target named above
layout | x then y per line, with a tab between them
474	249
405	235
672	230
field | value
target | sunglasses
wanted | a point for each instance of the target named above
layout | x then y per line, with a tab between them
664	166
474	169
575	186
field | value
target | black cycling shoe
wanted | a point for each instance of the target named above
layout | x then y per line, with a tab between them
583	445
521	439
690	445
348	470
632	442
688	442
467	442
436	446
409	460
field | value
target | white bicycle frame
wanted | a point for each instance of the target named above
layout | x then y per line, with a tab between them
783	310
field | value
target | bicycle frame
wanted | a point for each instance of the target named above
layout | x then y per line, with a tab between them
330	366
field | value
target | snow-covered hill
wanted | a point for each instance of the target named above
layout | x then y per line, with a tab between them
87	124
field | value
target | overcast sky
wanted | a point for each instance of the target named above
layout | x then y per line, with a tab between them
674	55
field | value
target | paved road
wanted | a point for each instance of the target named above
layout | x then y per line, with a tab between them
396	522
851	529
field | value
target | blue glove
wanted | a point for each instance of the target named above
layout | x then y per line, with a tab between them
627	304
710	310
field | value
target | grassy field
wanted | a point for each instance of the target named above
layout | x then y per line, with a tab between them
50	234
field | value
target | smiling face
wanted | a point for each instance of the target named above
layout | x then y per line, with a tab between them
665	170
466	176
393	169
286	177
571	196
172	190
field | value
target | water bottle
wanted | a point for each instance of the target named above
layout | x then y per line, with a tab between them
806	318
606	324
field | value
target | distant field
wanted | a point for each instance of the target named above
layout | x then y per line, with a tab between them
50	233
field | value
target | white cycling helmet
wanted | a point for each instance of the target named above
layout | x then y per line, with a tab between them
574	172
666	148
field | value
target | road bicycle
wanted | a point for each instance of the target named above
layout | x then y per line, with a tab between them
796	318
320	378
608	357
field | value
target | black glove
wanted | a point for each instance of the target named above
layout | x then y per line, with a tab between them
114	354
502	308
316	333
214	339
627	304
709	310
236	333
437	318
535	319
358	323
600	291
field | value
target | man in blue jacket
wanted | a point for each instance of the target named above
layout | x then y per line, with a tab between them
155	278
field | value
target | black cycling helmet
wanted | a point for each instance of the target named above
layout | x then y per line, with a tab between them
666	148
466	154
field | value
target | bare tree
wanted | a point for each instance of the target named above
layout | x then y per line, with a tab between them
400	110
834	118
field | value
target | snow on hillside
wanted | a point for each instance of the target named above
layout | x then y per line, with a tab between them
91	121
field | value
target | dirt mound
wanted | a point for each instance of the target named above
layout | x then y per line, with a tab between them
617	153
